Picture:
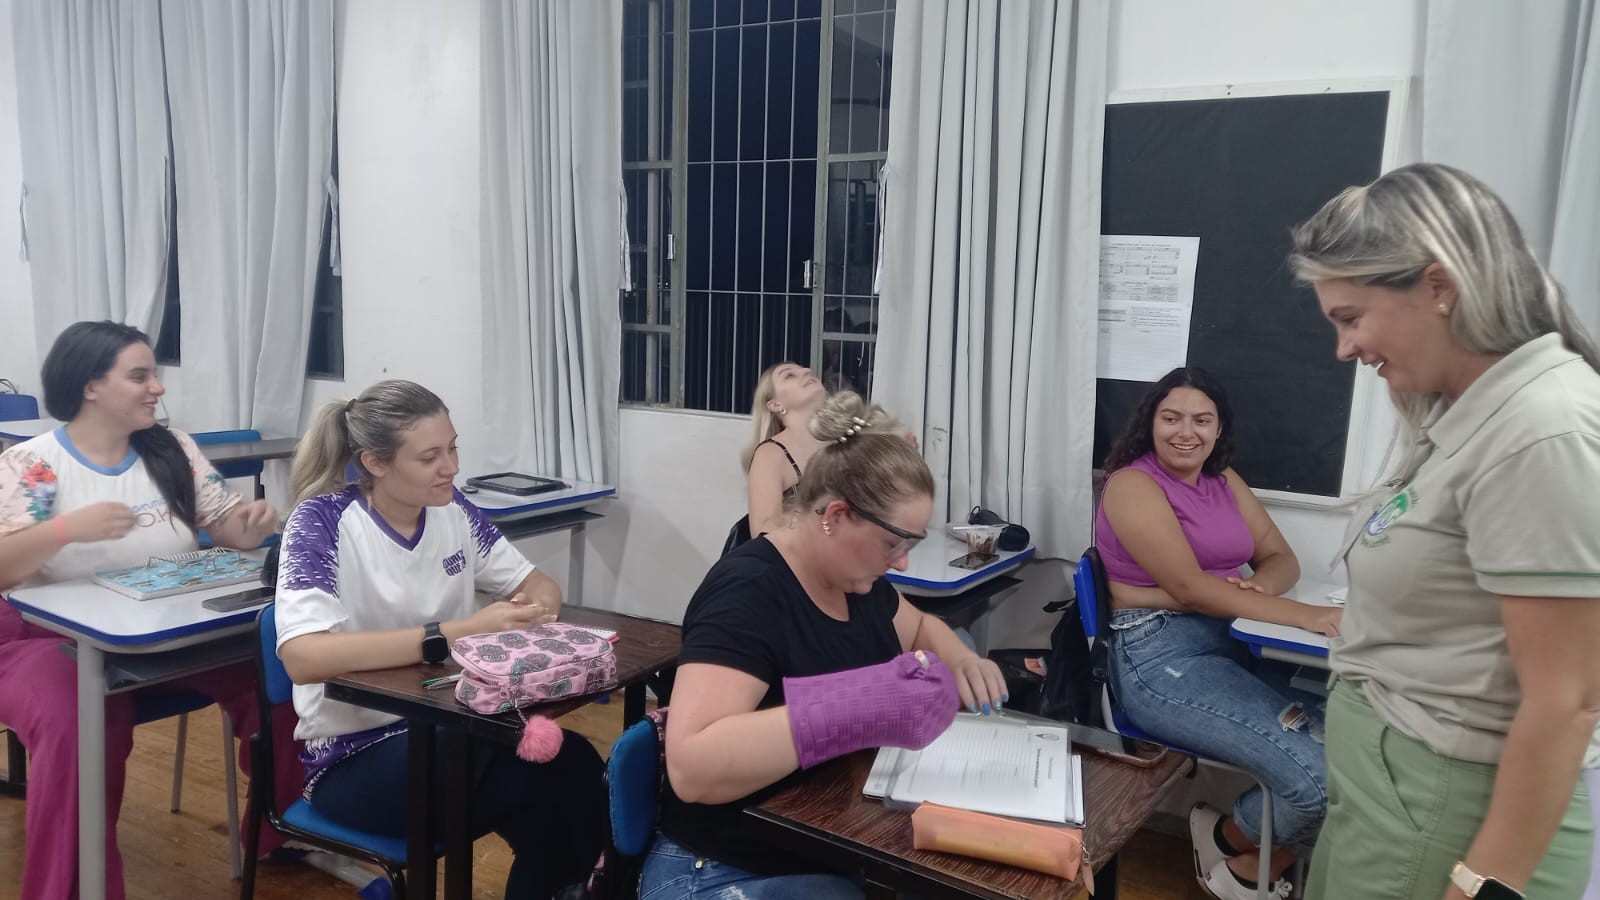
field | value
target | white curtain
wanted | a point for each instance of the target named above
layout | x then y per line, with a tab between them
93	120
1511	93
252	89
986	344
550	176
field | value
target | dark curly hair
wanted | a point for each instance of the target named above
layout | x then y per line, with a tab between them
1137	439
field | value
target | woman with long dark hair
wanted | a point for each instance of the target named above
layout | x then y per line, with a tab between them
109	489
1174	527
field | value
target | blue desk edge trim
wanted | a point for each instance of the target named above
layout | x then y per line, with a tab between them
984	573
139	640
561	501
1256	640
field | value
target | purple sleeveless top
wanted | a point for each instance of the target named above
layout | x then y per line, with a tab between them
1210	518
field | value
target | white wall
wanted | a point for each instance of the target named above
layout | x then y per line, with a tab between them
19	356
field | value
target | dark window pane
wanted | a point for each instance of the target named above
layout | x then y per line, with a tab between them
748	324
808	9
867	91
697	243
888	76
860	231
780	91
798	338
782	9
664	86
663	274
808	47
832	313
702	49
775	242
702	13
725	96
802	221
847	366
840	96
635	127
696	348
748	233
646	368
719	388
753	95
724	209
838	198
728	12
755	11
868	5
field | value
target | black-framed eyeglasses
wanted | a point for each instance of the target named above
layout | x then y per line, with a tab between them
908	539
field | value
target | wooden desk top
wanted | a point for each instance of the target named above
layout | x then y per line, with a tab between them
643	647
826	818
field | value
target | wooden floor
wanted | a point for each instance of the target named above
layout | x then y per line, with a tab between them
185	854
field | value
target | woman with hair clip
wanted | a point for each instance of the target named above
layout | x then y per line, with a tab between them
786	397
1174	527
385	573
1467	684
797	650
109	489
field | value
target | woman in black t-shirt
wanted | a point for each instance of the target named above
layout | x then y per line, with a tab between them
796	650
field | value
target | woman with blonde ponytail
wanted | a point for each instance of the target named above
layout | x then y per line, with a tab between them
386	572
797	650
780	412
1468	689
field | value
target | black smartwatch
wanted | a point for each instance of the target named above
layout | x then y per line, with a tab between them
435	646
1479	887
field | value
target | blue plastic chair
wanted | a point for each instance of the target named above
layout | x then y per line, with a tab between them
301	821
14	407
249	468
1094	610
633	781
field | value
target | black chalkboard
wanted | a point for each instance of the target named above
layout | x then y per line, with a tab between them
1239	173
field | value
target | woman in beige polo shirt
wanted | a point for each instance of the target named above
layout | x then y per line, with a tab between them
1468	687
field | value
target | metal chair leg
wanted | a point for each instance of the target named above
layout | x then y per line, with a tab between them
1264	877
231	778
177	762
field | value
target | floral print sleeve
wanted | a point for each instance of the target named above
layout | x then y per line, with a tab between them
212	497
27	490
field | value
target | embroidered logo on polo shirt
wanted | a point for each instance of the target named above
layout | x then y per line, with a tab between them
1373	534
455	562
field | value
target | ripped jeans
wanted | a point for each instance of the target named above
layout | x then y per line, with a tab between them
1183	679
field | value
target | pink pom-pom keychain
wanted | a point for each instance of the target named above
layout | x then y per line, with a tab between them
541	739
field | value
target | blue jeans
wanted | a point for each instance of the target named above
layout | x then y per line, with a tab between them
672	872
1183	679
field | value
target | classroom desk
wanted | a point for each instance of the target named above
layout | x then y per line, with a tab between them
1287	643
124	644
956	595
826	818
18	430
644	647
250	451
564	510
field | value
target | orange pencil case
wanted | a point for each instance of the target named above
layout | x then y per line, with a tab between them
1051	849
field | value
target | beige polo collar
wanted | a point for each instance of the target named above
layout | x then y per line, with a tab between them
1449	426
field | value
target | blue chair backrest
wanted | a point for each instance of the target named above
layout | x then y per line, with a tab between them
634	778
1089	581
14	407
243	469
276	679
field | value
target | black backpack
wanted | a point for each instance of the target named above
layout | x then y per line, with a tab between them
1071	683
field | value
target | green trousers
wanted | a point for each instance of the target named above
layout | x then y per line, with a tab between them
1401	815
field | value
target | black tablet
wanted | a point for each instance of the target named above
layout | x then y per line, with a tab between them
515	483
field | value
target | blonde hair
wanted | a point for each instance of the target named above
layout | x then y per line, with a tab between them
865	459
1386	233
763	423
342	430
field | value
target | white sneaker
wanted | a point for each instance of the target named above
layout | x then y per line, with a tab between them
1203	819
1220	883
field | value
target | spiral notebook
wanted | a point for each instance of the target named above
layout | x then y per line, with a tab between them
164	576
993	764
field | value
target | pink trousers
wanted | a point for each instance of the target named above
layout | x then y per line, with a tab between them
39	700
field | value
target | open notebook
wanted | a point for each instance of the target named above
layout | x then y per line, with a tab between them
993	764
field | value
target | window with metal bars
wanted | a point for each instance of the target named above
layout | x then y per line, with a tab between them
754	134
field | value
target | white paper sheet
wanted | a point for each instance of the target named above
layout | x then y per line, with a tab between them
990	764
1146	298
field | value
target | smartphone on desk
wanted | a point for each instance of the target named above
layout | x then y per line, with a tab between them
256	596
1117	746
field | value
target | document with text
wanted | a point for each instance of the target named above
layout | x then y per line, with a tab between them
992	764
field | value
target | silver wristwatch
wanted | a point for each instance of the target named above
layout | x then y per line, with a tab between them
1479	887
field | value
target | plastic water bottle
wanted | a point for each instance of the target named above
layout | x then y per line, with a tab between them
350	872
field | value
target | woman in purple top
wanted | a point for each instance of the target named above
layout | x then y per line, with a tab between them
1174	527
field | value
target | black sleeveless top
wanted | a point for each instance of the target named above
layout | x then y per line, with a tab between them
788	491
739	534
